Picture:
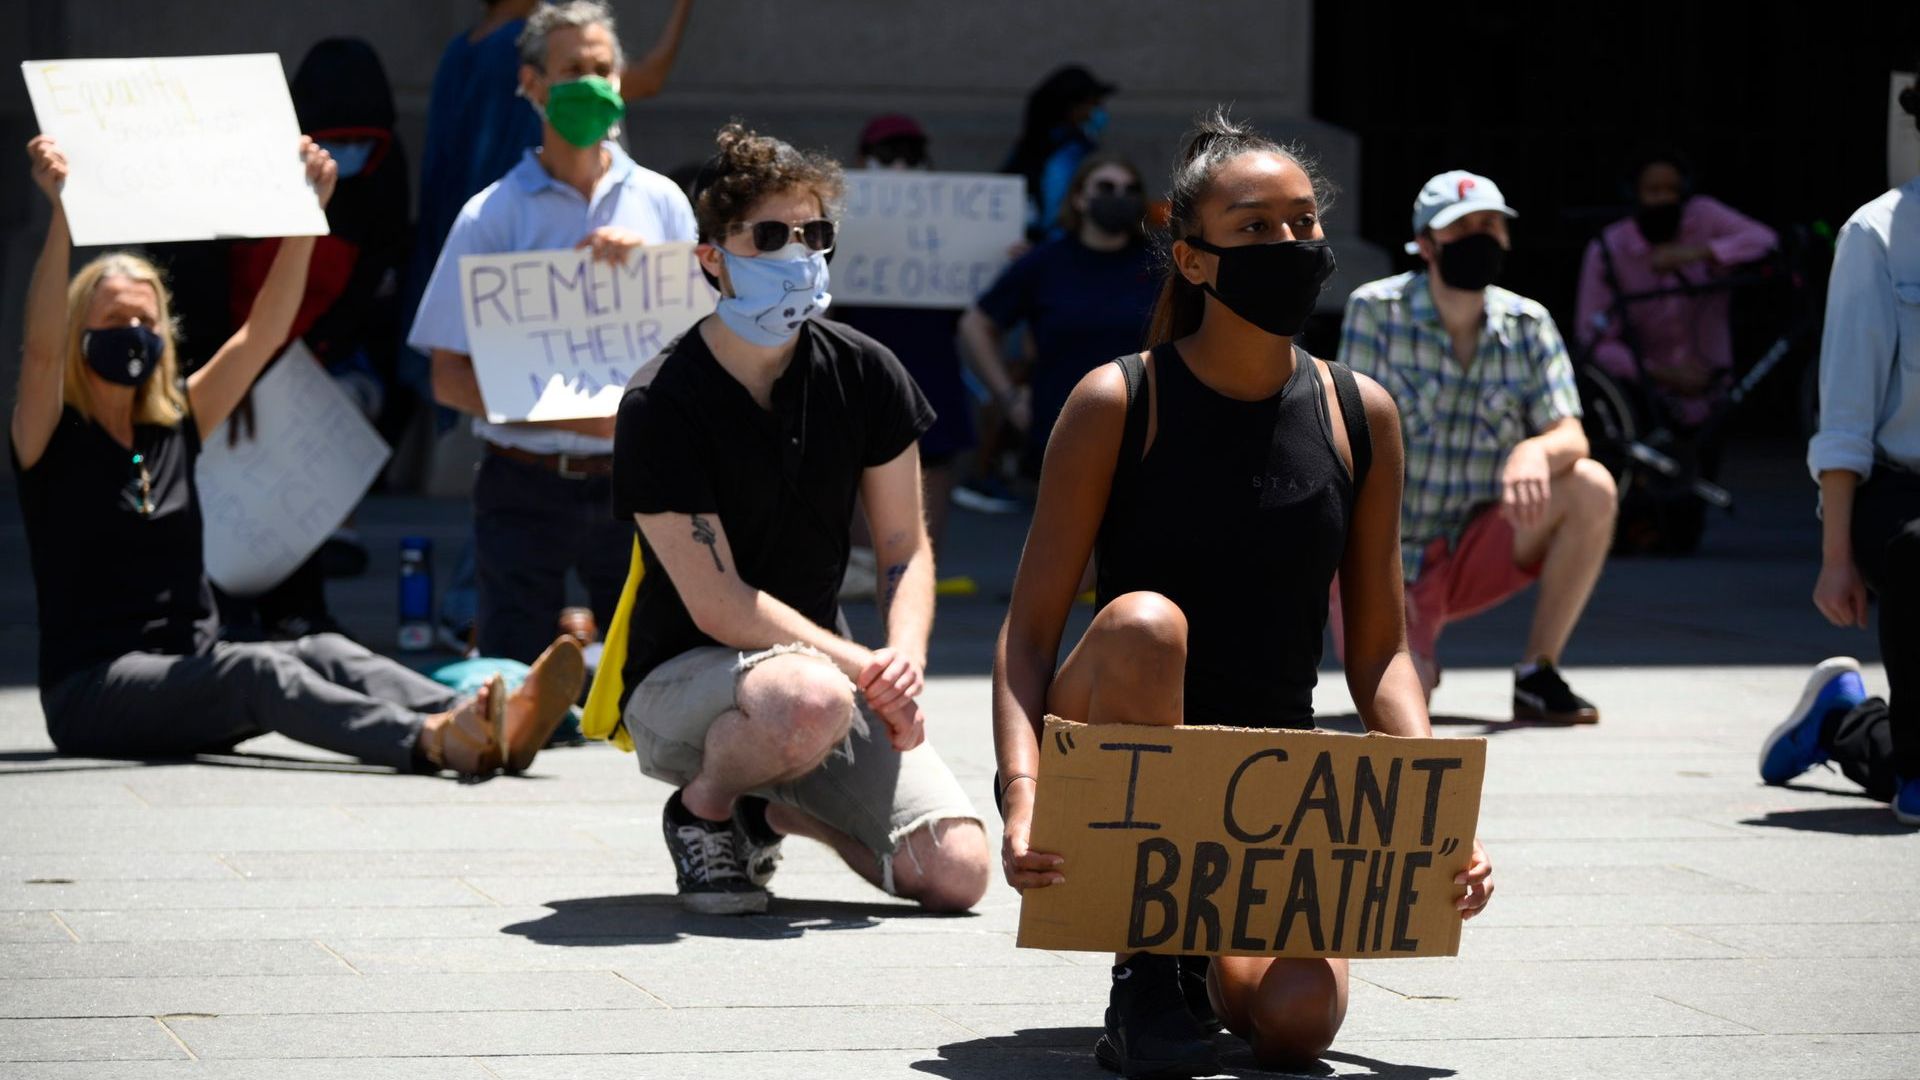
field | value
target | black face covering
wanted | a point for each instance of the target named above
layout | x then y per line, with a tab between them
1472	262
1117	213
122	355
1273	286
1659	224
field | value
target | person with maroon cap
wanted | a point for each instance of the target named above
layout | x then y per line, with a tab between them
925	341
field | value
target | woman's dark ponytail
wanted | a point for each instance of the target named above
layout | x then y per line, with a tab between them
1214	139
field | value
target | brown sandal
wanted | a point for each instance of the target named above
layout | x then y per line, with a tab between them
537	707
469	739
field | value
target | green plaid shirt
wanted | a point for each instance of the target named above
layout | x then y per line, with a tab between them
1457	423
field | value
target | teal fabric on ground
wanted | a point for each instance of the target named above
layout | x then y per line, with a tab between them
468	676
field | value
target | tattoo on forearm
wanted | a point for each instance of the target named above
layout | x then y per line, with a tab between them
894	575
703	534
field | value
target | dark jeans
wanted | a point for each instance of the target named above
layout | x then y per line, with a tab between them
530	526
322	690
1881	739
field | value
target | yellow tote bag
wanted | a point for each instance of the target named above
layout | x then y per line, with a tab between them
601	717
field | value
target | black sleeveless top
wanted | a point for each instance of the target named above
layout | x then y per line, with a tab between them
1238	513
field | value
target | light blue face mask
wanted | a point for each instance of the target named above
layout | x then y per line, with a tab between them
774	293
351	157
1095	125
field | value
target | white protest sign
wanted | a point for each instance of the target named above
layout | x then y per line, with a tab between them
270	500
555	335
175	148
925	239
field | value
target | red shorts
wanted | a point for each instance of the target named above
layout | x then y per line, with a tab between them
1477	575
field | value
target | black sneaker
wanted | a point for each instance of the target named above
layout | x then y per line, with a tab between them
755	841
707	865
1193	986
1150	1032
1543	696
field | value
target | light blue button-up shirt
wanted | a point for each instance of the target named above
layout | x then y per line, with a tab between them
1870	350
528	210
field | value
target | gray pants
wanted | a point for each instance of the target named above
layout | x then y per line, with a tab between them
322	690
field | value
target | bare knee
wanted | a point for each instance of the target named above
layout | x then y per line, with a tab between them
1593	496
1296	1012
945	866
1145	621
801	705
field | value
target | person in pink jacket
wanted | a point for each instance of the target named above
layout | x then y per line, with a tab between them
1674	238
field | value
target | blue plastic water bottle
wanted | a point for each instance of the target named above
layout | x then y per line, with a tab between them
416	594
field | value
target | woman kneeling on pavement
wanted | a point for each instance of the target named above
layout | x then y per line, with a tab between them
105	432
1213	591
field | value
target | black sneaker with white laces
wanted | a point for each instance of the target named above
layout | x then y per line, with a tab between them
755	841
1541	695
1151	1032
709	873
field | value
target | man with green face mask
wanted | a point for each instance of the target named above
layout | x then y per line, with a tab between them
542	494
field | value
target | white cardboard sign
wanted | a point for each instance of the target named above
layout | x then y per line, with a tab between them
269	501
175	148
925	239
555	335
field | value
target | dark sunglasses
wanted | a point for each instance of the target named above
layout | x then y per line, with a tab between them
1108	187
770	236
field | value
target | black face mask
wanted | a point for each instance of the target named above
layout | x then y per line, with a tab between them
1273	286
1116	213
122	355
1472	262
1659	224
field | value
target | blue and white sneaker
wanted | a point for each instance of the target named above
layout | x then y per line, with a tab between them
1906	802
1794	746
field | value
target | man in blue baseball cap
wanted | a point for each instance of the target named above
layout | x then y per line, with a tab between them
1500	492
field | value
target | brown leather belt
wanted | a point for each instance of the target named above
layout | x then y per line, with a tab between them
566	466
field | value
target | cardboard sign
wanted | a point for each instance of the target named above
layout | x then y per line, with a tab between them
270	500
556	336
921	239
1249	842
175	148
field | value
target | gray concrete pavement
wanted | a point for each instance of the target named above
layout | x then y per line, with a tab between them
278	913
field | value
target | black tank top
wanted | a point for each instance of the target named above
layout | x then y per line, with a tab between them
1237	513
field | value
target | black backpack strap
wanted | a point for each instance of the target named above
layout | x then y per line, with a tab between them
1354	412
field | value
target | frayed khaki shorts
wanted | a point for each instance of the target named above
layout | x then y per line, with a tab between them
866	788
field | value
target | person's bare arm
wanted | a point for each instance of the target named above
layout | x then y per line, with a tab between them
891	495
1075	478
36	407
1380	673
1840	593
456	387
219	384
980	340
646	76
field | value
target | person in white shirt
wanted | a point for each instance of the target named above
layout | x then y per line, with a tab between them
542	500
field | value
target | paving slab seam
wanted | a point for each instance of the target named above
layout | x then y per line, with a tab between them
623	978
177	1040
1716	1016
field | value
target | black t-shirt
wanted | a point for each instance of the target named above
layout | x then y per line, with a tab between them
110	579
781	483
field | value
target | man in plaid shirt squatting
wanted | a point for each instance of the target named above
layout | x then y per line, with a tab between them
1500	492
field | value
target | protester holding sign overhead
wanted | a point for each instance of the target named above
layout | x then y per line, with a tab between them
541	498
1085	296
1213	590
105	434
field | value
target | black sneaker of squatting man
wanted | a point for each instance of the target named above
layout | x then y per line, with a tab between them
708	871
755	842
1542	695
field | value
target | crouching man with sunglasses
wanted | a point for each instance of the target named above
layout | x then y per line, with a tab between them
740	462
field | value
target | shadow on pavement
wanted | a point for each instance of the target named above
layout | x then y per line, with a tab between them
1871	820
1068	1051
658	918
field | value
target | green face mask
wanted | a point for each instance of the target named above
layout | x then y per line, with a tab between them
583	110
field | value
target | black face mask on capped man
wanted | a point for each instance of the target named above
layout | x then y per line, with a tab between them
1273	286
1472	262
